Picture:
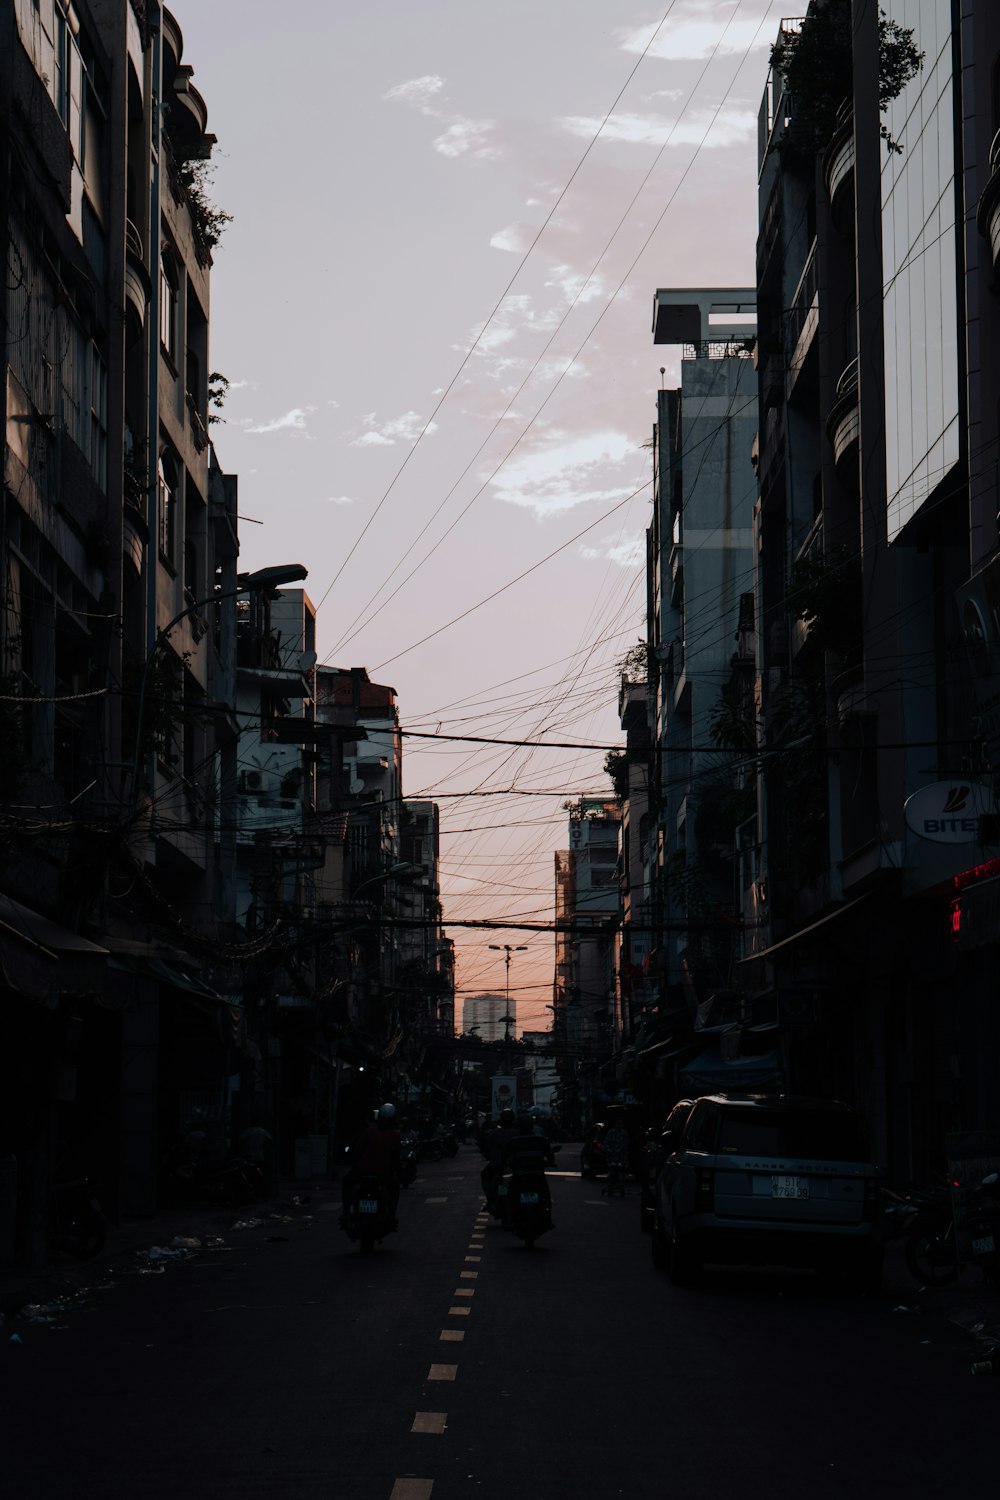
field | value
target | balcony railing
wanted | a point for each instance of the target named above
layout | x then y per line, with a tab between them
719	349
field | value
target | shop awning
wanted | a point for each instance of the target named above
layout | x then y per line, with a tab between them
43	960
815	929
710	1071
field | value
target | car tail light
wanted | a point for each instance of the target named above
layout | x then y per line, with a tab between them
705	1188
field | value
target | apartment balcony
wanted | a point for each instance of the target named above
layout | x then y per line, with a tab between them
843	425
188	111
803	325
838	171
138	287
988	212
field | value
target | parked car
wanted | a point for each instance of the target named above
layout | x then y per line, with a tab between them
759	1180
656	1149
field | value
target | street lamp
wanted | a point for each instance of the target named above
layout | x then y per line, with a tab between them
402	868
262	581
507	949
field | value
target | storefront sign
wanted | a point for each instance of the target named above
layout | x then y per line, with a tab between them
948	812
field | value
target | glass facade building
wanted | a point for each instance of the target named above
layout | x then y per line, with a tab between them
920	281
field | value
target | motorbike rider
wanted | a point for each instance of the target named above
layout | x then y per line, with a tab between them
376	1153
527	1150
494	1144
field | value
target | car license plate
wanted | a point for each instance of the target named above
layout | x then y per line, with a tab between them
789	1187
529	1197
985	1245
368	1206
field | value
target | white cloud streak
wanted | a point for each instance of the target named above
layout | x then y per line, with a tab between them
568	471
693	36
733	127
461	136
406	428
292	421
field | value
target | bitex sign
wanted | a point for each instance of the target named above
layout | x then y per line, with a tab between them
949	812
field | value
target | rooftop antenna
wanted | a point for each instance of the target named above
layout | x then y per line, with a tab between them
663	371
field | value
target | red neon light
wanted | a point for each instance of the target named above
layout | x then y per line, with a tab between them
978	872
956	918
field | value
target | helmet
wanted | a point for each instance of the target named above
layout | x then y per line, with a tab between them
506	1117
387	1112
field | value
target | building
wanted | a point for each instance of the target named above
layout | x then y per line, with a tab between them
700	571
876	530
117	626
483	1016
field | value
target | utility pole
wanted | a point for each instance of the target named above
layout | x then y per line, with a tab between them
507	949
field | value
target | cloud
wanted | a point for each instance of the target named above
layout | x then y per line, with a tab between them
243	385
406	428
339	500
417	92
467	137
627	552
292	421
732	127
575	287
566	472
694	36
516	238
461	136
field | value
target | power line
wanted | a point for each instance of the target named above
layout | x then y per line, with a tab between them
496	307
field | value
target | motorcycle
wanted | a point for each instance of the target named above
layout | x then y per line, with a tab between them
232	1183
526	1207
408	1160
79	1227
935	1250
368	1216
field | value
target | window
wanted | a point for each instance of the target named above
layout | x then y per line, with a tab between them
167	486
98	393
168	309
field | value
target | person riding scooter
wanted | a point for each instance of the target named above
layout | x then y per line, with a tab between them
376	1153
494	1144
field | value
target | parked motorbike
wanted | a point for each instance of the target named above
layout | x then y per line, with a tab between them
935	1251
439	1145
79	1228
368	1216
232	1183
408	1160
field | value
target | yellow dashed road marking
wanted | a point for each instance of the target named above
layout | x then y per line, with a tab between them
430	1421
459	1312
412	1489
469	1275
452	1335
442	1372
473	1260
464	1291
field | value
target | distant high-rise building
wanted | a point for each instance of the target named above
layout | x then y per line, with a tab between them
484	1015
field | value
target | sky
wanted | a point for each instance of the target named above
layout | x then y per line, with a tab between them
434	307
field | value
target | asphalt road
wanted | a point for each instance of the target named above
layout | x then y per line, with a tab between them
289	1366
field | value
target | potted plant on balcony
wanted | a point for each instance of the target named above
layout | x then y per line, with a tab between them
816	65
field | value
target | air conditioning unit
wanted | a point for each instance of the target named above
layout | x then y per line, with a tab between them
251	781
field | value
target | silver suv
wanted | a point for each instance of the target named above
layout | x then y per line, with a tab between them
776	1181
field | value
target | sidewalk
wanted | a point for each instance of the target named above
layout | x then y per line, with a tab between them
972	1305
125	1241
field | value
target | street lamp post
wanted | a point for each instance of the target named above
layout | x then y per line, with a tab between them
507	949
260	581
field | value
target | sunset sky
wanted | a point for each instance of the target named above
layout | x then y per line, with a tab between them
391	168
